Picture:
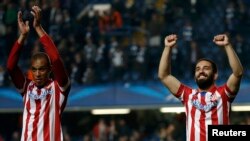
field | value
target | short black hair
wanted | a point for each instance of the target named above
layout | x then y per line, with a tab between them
39	55
214	66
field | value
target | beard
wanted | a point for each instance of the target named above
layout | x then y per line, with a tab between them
205	83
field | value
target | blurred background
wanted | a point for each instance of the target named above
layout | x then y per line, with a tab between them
111	49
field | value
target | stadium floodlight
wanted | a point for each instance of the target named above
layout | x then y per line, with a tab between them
240	108
172	109
110	111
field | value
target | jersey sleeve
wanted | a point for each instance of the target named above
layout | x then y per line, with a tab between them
183	93
227	92
14	71
58	69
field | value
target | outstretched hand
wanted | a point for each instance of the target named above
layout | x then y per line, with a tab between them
221	40
23	26
170	40
36	12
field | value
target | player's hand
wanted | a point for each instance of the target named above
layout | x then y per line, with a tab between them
221	40
23	26
170	40
36	12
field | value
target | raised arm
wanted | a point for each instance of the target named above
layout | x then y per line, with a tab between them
234	79
58	69
164	72
15	72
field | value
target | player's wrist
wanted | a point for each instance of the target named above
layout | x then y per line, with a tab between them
38	27
23	35
228	45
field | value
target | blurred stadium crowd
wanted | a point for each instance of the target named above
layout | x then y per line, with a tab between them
113	40
106	41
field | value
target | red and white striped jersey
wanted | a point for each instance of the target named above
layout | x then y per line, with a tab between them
205	108
42	106
42	112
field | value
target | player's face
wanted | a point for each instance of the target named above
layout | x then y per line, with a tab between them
40	71
204	75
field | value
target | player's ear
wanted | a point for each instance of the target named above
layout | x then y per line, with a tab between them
216	76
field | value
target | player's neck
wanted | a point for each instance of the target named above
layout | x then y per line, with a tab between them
206	89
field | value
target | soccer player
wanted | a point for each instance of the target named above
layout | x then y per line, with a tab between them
208	104
44	97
